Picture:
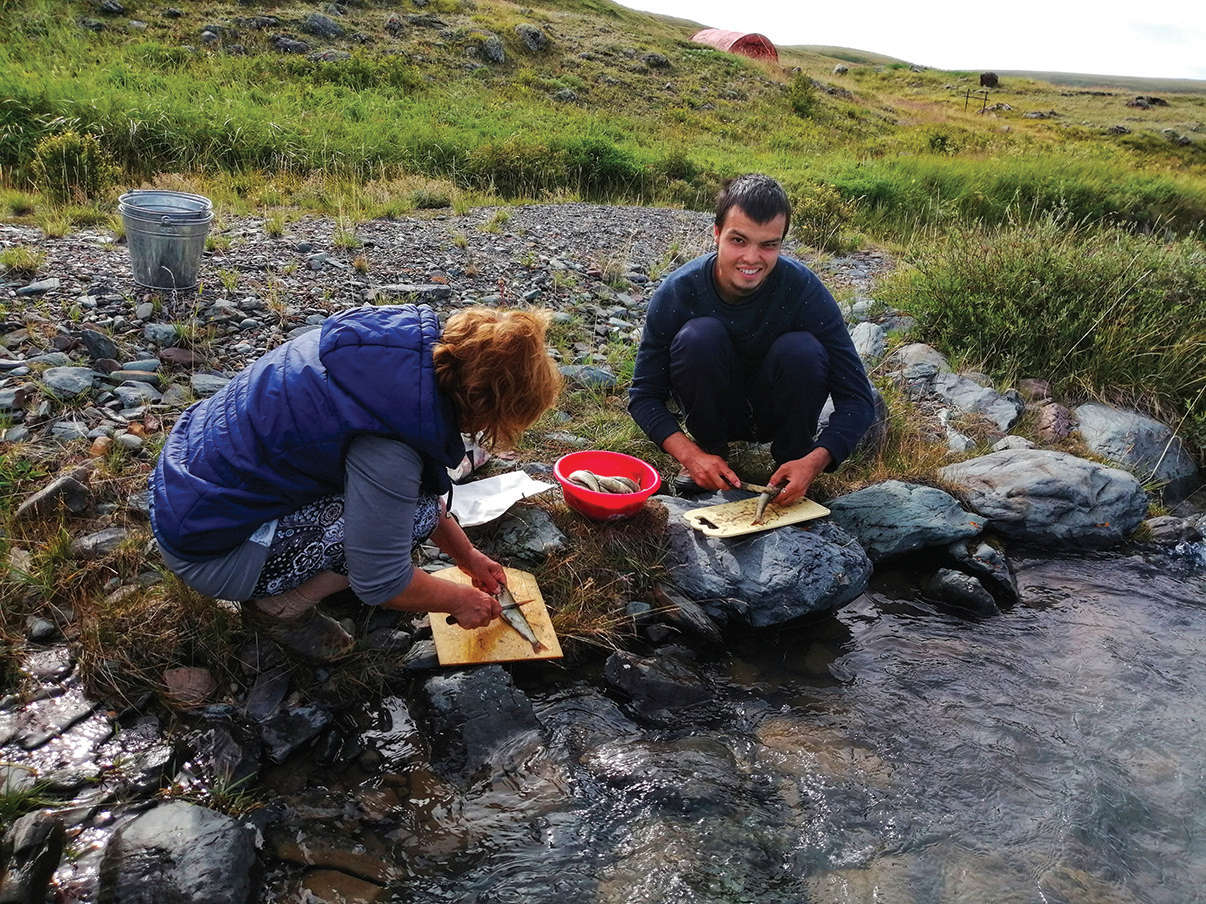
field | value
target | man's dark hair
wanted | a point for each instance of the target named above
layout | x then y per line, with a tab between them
761	197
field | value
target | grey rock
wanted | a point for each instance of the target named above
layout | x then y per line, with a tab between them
49	718
527	532
962	591
1169	529
565	96
68	381
15	398
160	334
100	543
421	657
129	441
289	729
920	353
1051	498
568	439
768	578
322	26
134	393
40	630
52	664
99	345
969	397
869	340
1141	445
41	287
589	376
287	44
178	852
655	61
31	850
69	431
697	774
491	49
1012	442
227	753
147	365
419	292
656	682
176	396
986	562
894	518
18	434
533	38
66	491
207	384
51	359
477	720
267	694
686	615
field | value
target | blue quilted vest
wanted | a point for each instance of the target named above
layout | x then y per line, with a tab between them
275	437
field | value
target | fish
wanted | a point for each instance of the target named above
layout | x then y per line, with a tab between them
765	495
602	483
513	616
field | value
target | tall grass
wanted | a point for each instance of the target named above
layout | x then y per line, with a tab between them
1098	311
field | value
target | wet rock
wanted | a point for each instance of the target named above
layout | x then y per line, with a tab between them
31	851
1046	497
226	754
421	657
962	591
330	847
869	340
267	694
533	38
989	564
45	719
1169	529
49	665
289	729
68	381
178	852
695	774
580	717
333	885
66	491
527	532
100	543
687	615
768	578
589	376
204	385
894	518
476	720
656	683
1141	445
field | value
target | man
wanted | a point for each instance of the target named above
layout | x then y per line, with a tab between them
750	344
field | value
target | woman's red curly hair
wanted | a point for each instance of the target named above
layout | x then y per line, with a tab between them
494	367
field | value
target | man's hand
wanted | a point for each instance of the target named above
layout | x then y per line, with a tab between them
487	574
471	607
797	475
711	472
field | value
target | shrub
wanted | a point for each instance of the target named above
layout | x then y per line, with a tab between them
821	218
802	96
72	166
1097	310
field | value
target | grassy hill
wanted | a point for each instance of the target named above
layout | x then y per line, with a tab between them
615	104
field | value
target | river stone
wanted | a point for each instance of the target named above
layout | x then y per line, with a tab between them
68	381
1169	529
1142	445
692	774
476	719
919	353
134	393
226	754
180	853
655	683
160	334
967	396
31	851
207	384
869	340
767	578
989	564
267	694
894	518
1046	497
962	591
289	729
99	345
65	490
46	719
334	846
589	376
528	532
100	543
685	614
580	717
335	885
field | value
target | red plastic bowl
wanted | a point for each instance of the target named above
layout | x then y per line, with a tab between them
606	506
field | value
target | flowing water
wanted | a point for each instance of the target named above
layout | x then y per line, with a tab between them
891	752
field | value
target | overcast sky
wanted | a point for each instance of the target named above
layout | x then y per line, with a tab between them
1164	39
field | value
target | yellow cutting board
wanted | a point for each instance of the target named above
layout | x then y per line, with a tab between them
732	519
497	641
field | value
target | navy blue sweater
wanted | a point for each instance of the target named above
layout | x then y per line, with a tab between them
791	300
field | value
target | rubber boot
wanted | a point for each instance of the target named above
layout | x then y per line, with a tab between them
292	619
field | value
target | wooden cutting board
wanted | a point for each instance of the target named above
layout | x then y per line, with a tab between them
732	519
497	641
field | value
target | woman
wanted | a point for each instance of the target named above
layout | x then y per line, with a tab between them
321	465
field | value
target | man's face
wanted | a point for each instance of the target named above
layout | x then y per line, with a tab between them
746	252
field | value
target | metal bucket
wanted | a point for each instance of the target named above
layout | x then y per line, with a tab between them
166	235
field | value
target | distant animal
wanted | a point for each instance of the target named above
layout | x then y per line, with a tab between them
989	80
839	69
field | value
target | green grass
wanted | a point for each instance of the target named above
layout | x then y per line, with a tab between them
21	260
1097	311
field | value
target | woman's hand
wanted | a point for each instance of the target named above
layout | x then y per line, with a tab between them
487	574
471	607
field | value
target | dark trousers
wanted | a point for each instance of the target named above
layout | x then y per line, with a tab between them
778	398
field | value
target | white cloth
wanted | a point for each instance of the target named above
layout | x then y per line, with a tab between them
482	501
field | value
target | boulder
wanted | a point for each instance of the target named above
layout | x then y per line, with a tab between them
955	588
767	578
1141	445
1050	498
490	47
988	564
29	855
322	26
476	720
869	340
656	683
894	518
989	80
919	353
968	397
533	38
178	852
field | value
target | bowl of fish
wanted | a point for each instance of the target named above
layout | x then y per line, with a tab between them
605	485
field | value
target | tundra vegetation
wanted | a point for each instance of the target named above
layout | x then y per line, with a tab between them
1062	247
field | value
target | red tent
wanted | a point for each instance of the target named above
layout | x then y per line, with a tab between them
751	45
